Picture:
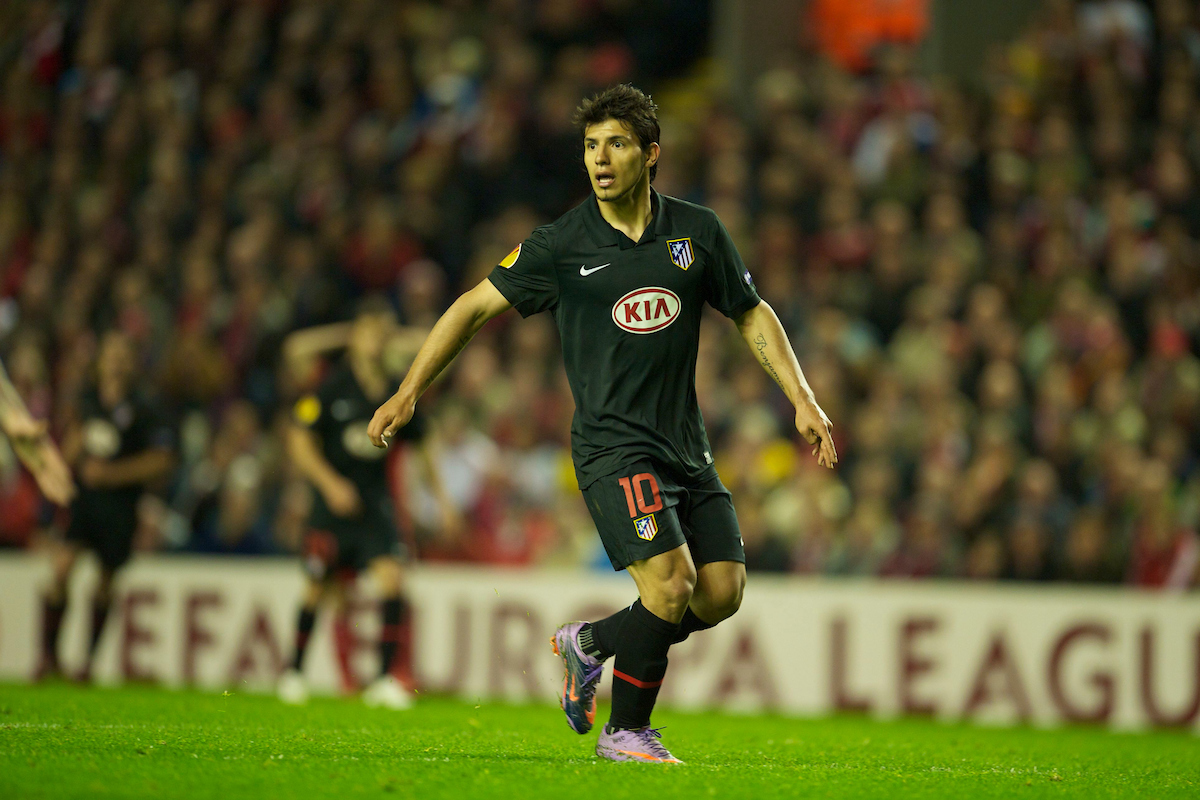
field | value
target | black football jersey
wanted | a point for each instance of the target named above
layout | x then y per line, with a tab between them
338	413
629	318
131	427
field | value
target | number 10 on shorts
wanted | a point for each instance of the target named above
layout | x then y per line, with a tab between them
635	489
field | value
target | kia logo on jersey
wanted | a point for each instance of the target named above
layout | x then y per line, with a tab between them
646	310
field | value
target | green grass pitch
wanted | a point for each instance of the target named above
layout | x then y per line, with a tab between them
59	741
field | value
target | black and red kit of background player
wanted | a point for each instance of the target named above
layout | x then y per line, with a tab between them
118	443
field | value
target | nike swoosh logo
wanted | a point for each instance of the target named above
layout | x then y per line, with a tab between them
584	271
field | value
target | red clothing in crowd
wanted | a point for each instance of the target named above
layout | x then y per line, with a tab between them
849	32
1164	565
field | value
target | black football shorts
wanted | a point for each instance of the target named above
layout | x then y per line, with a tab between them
107	532
335	545
640	513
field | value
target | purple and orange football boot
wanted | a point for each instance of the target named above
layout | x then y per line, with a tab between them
582	676
634	745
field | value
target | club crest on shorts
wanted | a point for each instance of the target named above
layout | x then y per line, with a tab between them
646	527
681	252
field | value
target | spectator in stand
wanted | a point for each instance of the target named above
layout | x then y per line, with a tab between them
997	285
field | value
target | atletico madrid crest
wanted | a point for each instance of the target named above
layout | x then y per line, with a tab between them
646	527
681	252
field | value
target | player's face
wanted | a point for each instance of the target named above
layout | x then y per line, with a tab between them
368	335
616	162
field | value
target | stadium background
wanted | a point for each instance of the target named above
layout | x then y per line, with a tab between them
983	245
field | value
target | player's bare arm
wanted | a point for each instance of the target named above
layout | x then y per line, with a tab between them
316	340
97	473
15	421
319	340
449	336
339	493
33	446
47	466
135	470
761	329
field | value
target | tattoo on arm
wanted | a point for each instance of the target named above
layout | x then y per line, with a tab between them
760	342
458	348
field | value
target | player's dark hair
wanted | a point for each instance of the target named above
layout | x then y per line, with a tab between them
625	103
374	305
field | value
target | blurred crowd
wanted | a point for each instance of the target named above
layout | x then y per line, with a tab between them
993	287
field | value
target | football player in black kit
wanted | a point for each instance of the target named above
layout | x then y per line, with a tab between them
352	527
626	276
118	445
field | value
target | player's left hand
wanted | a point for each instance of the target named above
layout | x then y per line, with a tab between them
389	418
817	430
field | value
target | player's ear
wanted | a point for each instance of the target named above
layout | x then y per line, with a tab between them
651	154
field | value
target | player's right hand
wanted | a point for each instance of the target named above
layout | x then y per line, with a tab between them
342	497
389	418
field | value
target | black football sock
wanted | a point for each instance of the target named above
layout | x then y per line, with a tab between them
599	639
389	637
641	663
304	627
100	609
52	617
690	624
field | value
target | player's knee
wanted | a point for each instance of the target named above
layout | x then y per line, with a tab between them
721	598
388	576
682	580
313	592
679	590
731	600
62	561
669	596
675	592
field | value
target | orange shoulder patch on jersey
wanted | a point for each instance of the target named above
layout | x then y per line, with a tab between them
511	258
307	409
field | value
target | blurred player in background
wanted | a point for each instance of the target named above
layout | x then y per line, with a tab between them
353	523
32	444
119	444
626	275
